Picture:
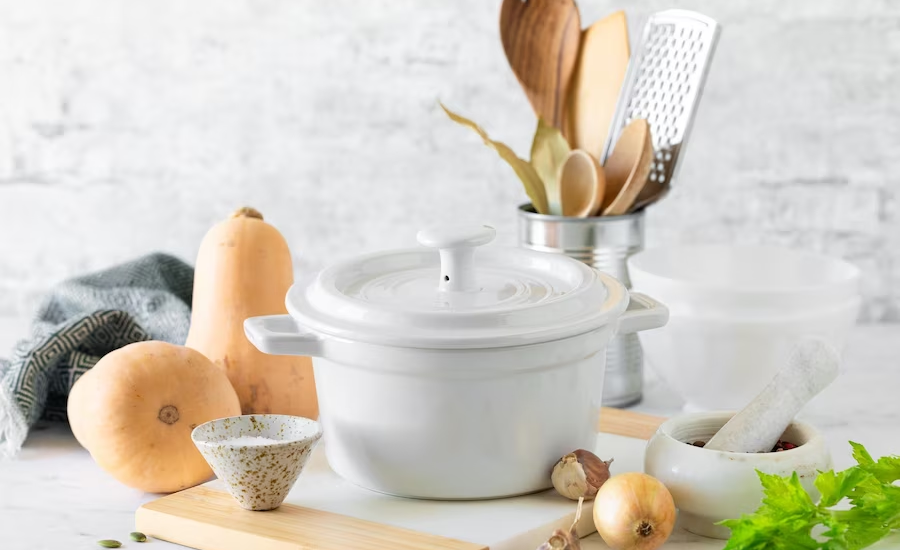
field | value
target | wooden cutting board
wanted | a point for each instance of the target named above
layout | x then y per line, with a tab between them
325	512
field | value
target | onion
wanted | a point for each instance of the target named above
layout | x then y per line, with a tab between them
634	511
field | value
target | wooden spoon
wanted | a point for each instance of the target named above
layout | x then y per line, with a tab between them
541	39
582	183
628	168
596	83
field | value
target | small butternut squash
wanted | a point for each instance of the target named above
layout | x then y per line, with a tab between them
244	269
135	410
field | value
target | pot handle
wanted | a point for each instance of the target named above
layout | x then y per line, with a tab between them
643	313
280	335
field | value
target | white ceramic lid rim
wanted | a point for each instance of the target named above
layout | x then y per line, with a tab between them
327	325
454	292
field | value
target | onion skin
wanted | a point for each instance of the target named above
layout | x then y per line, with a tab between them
634	511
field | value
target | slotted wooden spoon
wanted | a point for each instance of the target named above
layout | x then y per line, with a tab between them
541	39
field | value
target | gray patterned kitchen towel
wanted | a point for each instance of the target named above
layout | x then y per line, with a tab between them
81	320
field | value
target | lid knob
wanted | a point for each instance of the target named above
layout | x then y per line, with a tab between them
457	248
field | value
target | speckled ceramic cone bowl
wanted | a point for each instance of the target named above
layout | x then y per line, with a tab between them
258	475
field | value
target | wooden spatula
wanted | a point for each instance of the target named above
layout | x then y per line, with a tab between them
541	39
596	83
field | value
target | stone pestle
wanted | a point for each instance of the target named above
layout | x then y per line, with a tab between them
812	365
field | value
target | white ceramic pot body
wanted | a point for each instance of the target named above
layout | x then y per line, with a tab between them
462	420
710	486
459	424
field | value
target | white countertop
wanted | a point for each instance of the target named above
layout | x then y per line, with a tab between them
52	496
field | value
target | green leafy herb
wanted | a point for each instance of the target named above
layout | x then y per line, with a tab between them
788	515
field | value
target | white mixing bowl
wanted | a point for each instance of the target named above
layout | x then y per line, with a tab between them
735	311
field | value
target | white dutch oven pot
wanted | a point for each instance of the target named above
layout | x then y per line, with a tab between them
452	371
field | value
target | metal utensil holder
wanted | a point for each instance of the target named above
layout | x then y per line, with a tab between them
604	243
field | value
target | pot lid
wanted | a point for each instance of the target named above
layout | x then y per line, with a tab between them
453	292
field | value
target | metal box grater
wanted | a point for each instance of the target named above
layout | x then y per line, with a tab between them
663	83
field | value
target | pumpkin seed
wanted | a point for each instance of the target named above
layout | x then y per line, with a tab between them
109	543
137	536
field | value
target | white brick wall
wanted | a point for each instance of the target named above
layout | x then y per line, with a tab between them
133	126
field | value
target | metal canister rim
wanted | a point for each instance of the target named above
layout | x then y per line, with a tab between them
527	210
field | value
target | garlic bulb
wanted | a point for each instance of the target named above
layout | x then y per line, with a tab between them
565	540
579	474
561	541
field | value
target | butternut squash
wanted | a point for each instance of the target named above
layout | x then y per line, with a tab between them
135	410
244	269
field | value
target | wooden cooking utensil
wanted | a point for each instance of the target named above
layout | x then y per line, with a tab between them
541	39
581	184
596	83
628	168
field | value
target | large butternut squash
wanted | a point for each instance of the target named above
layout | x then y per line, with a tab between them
244	269
135	410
